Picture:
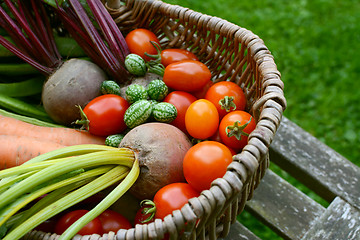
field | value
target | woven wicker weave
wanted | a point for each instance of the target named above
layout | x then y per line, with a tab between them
232	53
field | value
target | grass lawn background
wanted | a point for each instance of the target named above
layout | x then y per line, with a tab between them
316	46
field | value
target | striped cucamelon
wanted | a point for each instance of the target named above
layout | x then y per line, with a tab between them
135	64
164	112
136	92
138	113
157	90
110	87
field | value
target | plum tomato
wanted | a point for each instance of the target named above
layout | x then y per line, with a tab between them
105	115
202	92
173	197
139	42
205	162
113	221
172	55
186	75
93	227
235	127
226	96
201	119
181	100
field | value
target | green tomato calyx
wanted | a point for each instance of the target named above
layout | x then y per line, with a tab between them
237	130
227	103
84	121
149	208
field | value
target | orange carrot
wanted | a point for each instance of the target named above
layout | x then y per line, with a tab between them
63	136
15	150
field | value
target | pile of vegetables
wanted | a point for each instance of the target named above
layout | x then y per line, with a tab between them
128	118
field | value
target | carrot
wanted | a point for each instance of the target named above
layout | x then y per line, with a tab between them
63	136
15	150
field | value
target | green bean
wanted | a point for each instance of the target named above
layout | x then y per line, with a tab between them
68	47
24	88
17	69
31	120
4	52
20	107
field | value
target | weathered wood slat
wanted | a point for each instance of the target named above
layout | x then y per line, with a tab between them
340	221
284	208
316	165
240	232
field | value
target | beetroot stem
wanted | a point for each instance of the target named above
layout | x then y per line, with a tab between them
45	28
45	70
102	19
90	29
119	39
15	32
40	50
79	35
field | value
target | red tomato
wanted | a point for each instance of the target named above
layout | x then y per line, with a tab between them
204	162
186	75
202	92
216	137
48	225
223	90
113	221
172	197
181	100
139	42
172	55
201	119
93	227
235	127
146	213
106	114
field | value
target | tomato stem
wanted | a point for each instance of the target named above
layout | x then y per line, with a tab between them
149	209
227	103
157	56
156	68
154	65
84	121
237	130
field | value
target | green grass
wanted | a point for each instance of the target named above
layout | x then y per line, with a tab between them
316	46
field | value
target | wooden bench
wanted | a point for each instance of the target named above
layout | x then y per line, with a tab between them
292	214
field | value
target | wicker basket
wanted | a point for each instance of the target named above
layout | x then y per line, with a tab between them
234	54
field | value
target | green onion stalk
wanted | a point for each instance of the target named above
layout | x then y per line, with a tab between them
61	179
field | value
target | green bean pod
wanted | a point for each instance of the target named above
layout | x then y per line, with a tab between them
20	107
17	69
31	120
24	88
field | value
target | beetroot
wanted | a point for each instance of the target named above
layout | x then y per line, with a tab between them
160	148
